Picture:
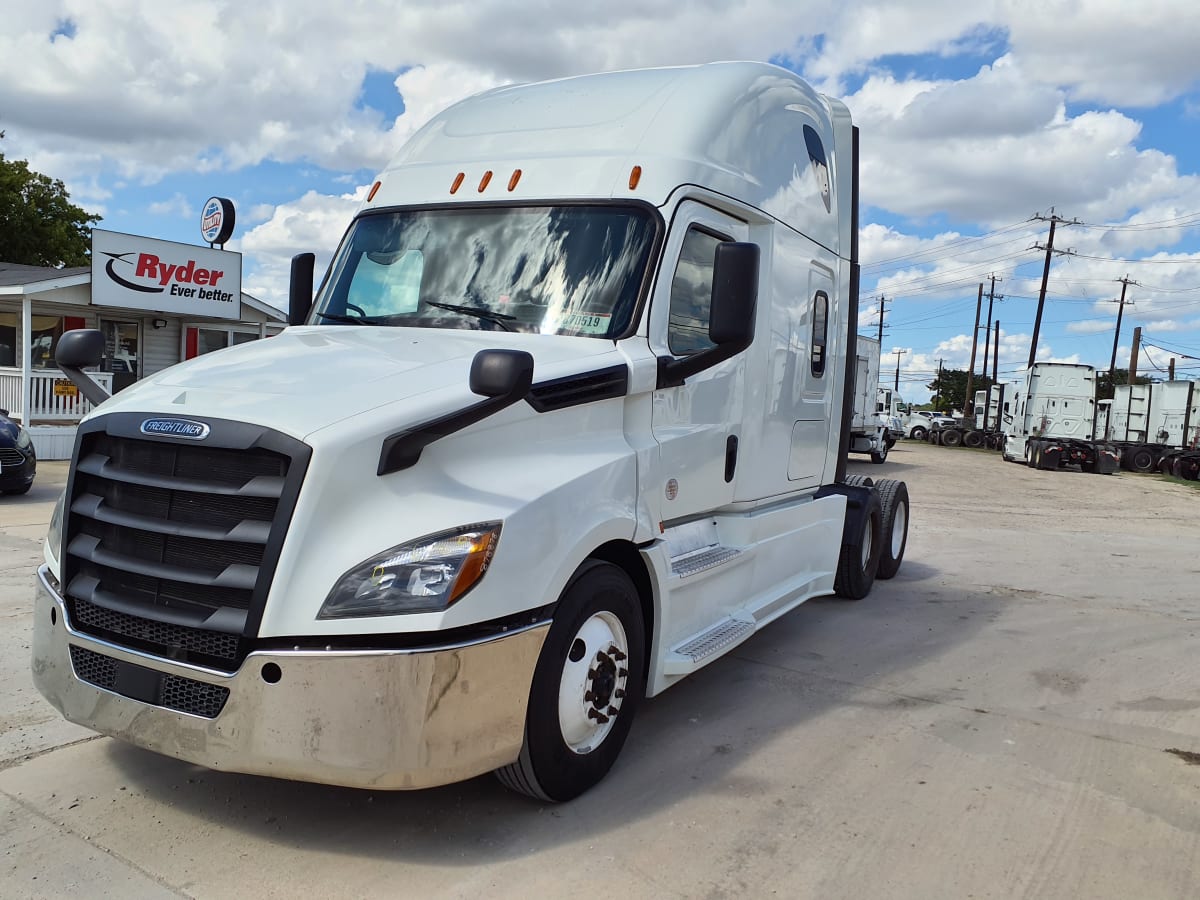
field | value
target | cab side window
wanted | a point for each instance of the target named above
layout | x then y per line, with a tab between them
691	293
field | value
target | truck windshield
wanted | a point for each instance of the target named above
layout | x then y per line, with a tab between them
575	270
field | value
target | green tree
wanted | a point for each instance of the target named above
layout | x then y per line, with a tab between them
950	389
39	226
1105	385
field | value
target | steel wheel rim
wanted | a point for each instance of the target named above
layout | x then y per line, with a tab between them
594	679
866	547
899	524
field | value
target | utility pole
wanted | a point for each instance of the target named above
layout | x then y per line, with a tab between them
1112	366
969	400
881	302
898	353
1133	354
992	297
1171	369
1050	251
995	354
937	398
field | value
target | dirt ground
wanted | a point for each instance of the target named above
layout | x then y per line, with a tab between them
1016	714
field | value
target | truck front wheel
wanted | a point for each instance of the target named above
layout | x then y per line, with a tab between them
586	687
918	433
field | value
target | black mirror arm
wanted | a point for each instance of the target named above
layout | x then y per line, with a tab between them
673	372
87	386
403	449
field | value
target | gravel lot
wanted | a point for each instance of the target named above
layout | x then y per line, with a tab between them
1014	715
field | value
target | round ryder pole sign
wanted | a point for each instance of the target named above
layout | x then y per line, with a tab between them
216	220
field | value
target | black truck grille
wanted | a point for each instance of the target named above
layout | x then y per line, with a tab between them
170	543
186	695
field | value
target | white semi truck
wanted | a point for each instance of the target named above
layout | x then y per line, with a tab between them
1156	427
1048	419
566	421
869	431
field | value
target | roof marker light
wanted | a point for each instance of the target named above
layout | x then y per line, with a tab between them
516	176
483	182
635	175
374	191
458	180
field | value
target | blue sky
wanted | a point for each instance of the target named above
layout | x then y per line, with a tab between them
974	118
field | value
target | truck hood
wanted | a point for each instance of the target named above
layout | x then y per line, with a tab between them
310	377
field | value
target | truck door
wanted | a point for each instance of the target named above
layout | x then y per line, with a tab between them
697	424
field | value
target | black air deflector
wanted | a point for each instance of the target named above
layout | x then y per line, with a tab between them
574	390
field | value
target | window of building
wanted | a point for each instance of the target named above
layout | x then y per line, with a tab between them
43	339
200	340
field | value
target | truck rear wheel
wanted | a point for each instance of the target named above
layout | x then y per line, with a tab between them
973	439
859	560
952	437
586	687
1142	460
893	497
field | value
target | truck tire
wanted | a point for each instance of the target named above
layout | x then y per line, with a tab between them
586	687
918	433
1030	453
859	560
952	437
973	439
1142	460
858	480
879	456
893	497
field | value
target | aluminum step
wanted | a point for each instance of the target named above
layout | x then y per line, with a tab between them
702	560
696	651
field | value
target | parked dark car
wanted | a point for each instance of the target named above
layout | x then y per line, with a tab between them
18	462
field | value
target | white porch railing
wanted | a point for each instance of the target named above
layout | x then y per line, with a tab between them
53	398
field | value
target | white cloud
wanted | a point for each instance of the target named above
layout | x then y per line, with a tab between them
177	205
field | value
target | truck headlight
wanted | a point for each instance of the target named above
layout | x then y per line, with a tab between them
425	575
54	532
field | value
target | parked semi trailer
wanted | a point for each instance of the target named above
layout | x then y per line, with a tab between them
868	427
566	422
1156	427
1049	416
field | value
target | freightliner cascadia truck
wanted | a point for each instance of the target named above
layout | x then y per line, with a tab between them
566	421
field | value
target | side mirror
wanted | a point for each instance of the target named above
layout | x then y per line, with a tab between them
730	317
734	294
300	292
497	373
79	347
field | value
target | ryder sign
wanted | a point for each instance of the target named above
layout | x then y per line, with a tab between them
163	276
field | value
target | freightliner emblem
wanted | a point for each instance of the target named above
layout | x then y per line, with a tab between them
184	428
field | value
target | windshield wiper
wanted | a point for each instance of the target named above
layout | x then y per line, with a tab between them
478	312
352	320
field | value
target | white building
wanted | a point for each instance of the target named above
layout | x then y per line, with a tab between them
38	304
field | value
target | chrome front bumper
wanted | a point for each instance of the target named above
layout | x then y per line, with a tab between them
379	719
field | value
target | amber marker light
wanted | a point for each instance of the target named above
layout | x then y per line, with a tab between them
635	175
516	176
485	180
374	191
458	180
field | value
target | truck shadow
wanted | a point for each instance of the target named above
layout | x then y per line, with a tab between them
743	727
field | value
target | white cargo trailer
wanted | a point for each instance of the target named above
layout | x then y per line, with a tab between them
567	421
1157	427
868	425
